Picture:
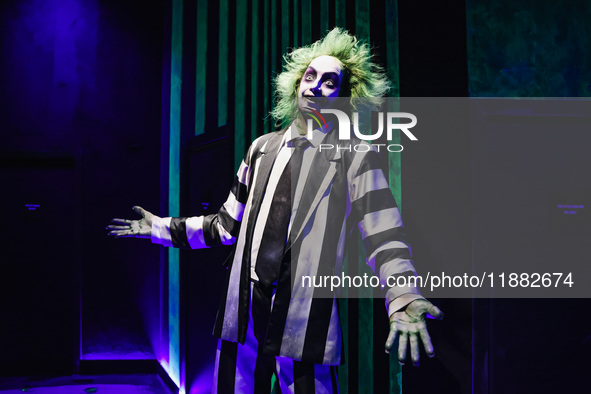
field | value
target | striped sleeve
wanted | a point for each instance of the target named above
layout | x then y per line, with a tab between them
205	231
378	218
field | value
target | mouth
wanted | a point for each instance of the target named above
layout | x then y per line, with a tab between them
308	102
310	95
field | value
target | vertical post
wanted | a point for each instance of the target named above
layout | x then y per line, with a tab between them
173	188
306	22
254	72
267	95
340	13
296	23
201	67
365	338
394	161
323	17
343	375
223	64
285	27
240	83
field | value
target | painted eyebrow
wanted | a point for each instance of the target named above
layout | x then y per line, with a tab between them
330	73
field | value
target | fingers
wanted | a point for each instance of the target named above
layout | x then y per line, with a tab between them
419	308
426	338
402	346
121	233
391	338
434	312
139	210
113	227
414	348
122	228
409	334
411	328
411	338
120	221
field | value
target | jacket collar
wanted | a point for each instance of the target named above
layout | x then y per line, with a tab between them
318	134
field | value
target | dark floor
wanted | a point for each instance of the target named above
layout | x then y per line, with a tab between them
82	384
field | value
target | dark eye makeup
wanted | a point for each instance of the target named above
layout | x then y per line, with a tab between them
330	79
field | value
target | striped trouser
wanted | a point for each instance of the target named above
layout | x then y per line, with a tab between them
245	369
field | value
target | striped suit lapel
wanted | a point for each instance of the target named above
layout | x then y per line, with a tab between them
268	154
319	179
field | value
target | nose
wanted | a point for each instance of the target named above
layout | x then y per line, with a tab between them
316	90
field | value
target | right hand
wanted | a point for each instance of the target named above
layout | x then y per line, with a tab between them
410	326
124	228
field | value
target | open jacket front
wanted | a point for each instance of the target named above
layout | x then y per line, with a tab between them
340	188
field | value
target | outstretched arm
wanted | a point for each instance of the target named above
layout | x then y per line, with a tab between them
193	232
125	228
389	256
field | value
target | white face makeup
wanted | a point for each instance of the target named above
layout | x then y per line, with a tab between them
322	78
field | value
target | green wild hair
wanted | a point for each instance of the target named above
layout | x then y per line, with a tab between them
365	81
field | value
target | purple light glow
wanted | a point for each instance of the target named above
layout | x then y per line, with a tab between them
166	366
100	388
203	382
117	356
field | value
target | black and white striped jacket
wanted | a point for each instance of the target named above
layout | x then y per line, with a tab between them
339	188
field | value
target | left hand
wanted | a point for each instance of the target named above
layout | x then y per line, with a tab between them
410	325
140	228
